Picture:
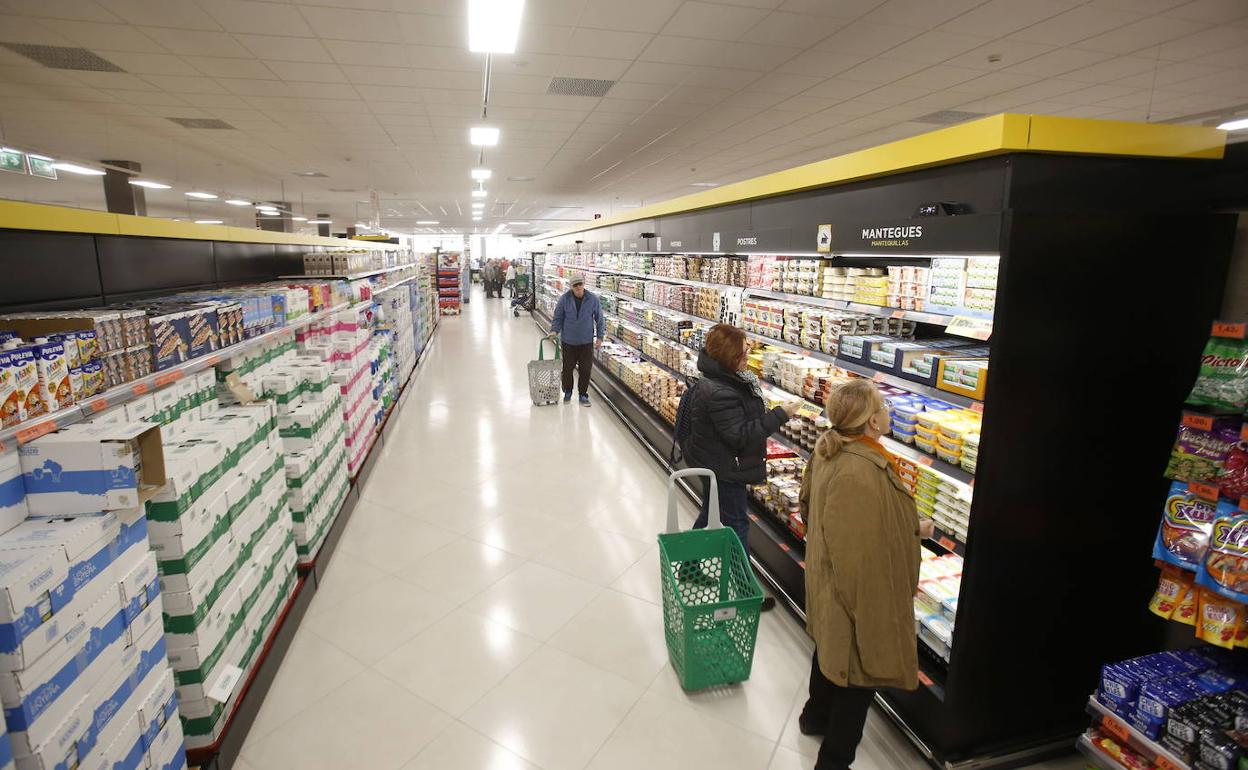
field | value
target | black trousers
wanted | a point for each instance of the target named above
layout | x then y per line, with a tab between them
580	357
842	712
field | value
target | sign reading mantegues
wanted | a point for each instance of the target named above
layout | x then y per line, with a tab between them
966	234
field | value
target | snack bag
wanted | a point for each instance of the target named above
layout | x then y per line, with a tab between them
1199	455
1223	379
1220	620
1185	613
1183	533
1234	479
1224	569
1173	586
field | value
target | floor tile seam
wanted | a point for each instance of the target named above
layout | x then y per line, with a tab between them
471	706
685	701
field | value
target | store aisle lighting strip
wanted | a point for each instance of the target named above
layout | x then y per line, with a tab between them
150	184
74	168
203	196
494	25
1238	124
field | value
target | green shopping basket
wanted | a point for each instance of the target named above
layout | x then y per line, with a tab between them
711	599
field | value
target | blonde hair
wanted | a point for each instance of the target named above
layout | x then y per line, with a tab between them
849	407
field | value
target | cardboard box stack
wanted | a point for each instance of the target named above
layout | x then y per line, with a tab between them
316	469
342	341
222	531
84	677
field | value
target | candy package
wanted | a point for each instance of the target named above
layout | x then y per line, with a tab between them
1198	455
1223	379
1173	586
1233	481
1220	620
1183	533
1224	569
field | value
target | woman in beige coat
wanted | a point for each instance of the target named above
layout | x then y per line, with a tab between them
862	568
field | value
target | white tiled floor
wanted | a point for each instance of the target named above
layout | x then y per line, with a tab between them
493	603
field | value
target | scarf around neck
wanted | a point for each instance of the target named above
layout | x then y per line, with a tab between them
889	456
751	379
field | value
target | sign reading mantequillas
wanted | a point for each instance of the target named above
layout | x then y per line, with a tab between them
968	234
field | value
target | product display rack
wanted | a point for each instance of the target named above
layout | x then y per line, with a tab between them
1064	225
349	276
449	275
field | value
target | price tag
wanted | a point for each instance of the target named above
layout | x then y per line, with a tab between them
1116	728
29	434
946	543
1197	421
1243	432
784	548
1243	503
1201	489
925	680
139	388
966	326
1229	329
898	314
97	404
925	460
878	377
1164	764
977	407
164	378
809	410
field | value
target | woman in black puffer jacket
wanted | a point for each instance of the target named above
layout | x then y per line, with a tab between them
729	427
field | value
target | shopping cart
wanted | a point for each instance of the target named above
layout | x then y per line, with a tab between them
711	599
544	375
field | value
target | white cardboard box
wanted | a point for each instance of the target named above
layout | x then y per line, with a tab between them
12	492
87	468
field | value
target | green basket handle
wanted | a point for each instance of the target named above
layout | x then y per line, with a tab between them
541	348
712	521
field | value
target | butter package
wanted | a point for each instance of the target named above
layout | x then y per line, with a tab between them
88	467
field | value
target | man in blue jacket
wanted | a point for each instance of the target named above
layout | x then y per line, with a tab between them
578	317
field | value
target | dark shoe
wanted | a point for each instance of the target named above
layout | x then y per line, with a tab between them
809	727
567	397
769	604
584	399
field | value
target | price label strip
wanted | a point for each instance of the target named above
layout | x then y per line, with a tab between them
1233	330
966	326
809	410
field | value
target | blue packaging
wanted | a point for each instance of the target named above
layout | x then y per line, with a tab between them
1184	531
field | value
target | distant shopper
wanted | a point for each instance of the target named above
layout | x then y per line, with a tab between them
510	277
862	568
493	279
578	317
729	427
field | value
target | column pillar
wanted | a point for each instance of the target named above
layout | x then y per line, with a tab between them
323	230
121	196
279	224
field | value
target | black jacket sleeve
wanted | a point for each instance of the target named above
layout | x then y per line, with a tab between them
737	432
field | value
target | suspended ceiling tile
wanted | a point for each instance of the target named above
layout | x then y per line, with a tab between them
180	14
993	83
101	37
881	70
920	13
1112	69
607	44
1057	62
284	48
936	46
590	67
544	38
186	42
1211	11
443	58
997	18
840	9
464	97
343	24
1206	41
519	84
186	85
713	22
1142	34
78	10
821	62
308	71
938	76
258	18
1011	52
869	39
150	98
683	50
1141	6
425	29
633	16
321	90
219	67
1236	58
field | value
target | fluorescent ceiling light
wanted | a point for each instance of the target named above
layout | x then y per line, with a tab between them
517	223
203	196
483	136
149	184
478	204
207	221
427	222
481	173
74	168
299	219
494	25
1234	125
476	219
238	202
269	214
704	184
320	221
478	193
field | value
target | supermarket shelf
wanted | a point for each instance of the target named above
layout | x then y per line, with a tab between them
1115	726
347	276
910	385
394	285
941	319
1095	756
28	431
650	277
923	458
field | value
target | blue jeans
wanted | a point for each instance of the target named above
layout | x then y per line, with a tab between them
734	500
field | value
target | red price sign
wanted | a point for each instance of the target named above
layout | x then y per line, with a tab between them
898	314
1197	421
27	435
1201	489
1164	764
925	680
924	460
139	388
1116	728
1229	329
977	407
98	404
1243	432
164	378
946	543
878	377
802	564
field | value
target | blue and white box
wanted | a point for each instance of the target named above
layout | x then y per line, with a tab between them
87	468
12	492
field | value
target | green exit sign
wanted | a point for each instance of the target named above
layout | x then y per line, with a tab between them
12	160
41	166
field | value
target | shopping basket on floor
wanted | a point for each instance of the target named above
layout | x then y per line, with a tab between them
544	376
711	599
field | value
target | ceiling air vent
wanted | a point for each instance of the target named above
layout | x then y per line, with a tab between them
579	87
62	58
947	117
201	123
